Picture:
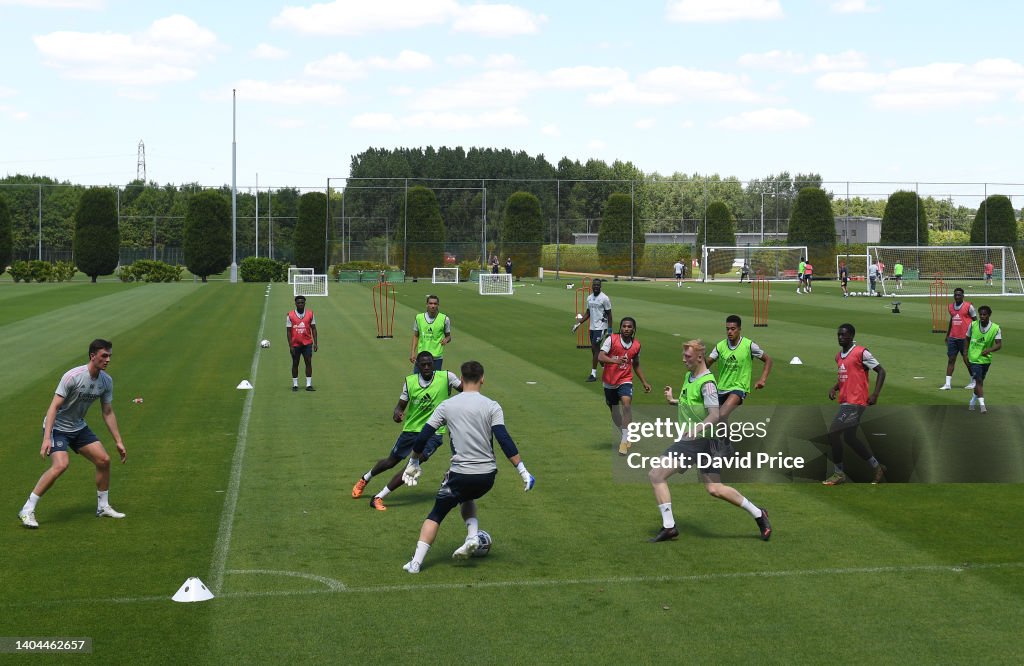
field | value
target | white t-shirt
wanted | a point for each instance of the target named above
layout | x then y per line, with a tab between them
678	268
597	306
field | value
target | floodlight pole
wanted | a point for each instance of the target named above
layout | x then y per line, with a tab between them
234	196
257	215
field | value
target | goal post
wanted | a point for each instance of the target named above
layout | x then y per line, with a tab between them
293	271
492	284
771	262
961	266
447	275
309	285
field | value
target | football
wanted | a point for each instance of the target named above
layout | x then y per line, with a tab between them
264	343
579	317
485	544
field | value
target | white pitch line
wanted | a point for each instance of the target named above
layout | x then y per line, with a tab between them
537	583
227	514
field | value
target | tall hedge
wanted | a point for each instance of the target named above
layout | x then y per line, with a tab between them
426	233
208	234
721	230
617	229
310	239
97	241
904	221
6	236
812	223
522	233
1002	224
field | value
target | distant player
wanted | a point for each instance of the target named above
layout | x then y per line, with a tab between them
678	269
808	277
745	272
983	338
897	274
961	314
844	278
698	404
800	274
424	390
620	356
431	332
64	428
736	369
988	273
474	419
873	276
853	362
300	329
599	312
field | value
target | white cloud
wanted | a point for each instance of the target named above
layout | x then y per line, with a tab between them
344	17
796	63
630	93
669	85
138	95
444	120
853	7
268	52
13	113
551	130
644	123
851	81
495	89
993	121
288	92
338	66
167	51
461	60
401	91
55	4
405	61
7	92
765	120
586	77
925	100
497	20
718	11
375	121
501	61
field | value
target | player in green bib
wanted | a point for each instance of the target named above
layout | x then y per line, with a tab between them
983	337
735	357
422	392
698	412
897	273
431	331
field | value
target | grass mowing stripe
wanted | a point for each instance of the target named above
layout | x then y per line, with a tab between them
227	516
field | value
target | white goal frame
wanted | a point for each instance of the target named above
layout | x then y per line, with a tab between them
495	284
444	275
293	271
746	252
924	264
309	285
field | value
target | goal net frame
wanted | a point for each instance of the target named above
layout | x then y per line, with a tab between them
293	271
858	274
957	265
495	284
310	285
760	266
446	271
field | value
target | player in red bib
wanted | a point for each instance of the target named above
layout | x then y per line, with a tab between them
300	327
961	314
620	354
853	363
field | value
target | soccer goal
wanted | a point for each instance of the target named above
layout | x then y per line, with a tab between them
957	266
447	275
292	272
771	262
492	284
309	285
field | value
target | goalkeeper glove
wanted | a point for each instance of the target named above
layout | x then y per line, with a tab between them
528	480
575	326
412	472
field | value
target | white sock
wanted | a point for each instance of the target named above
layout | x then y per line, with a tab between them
750	508
949	379
974	400
981	401
593	373
421	552
383	492
295	381
101	498
667	519
472	527
625	432
368	475
30	505
309	381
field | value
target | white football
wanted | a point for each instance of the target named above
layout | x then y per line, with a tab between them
579	317
485	544
264	343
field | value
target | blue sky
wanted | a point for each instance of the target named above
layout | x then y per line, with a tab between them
862	90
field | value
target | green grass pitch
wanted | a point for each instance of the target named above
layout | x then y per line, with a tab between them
250	491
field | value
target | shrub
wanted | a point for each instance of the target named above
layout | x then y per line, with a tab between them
208	234
997	212
63	271
522	232
615	233
904	221
263	269
148	270
97	241
309	240
812	223
467	266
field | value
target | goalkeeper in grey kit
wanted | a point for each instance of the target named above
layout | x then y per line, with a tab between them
472	418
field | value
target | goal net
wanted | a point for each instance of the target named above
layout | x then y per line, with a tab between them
491	284
957	266
771	262
309	285
448	275
292	272
857	267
